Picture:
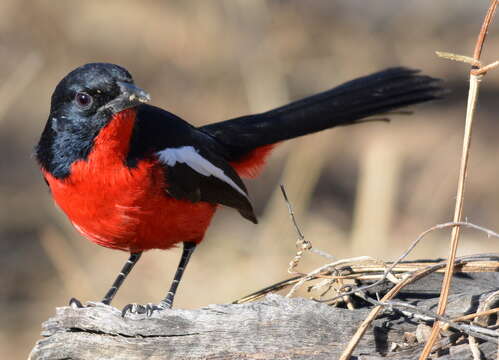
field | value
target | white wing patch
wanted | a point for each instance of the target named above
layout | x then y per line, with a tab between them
188	155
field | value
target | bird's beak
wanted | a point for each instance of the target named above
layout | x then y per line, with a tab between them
130	96
134	93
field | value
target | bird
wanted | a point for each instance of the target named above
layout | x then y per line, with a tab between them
134	177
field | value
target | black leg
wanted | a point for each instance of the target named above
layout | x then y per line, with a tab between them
168	301
132	260
184	260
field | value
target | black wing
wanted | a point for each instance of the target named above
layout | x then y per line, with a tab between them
195	164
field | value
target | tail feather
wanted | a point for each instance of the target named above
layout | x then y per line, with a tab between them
348	103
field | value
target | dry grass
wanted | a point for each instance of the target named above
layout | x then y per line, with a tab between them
476	75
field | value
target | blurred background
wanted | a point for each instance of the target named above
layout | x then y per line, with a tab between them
363	190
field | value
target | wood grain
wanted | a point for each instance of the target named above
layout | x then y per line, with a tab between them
274	328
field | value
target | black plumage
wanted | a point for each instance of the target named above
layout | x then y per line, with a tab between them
71	129
348	103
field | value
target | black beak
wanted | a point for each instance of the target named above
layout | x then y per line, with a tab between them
130	96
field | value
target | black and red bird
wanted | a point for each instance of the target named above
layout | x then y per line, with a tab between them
134	177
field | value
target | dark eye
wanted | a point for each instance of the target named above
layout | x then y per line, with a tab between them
83	100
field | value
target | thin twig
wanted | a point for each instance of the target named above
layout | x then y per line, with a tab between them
347	353
475	315
371	272
291	213
425	315
473	330
483	311
485	29
457	57
391	269
472	263
269	289
484	69
411	247
486	304
302	244
317	271
473	96
475	350
470	111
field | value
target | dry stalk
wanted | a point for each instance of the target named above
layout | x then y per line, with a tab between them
269	289
327	268
475	315
475	350
476	263
424	316
373	272
483	313
383	302
475	79
347	353
389	270
480	332
361	271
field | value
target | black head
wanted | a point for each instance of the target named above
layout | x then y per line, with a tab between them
93	91
83	103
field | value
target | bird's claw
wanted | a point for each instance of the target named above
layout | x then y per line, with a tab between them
147	309
75	303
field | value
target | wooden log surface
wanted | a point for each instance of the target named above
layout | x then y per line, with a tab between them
274	328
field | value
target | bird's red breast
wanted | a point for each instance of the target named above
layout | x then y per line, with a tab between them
134	177
127	208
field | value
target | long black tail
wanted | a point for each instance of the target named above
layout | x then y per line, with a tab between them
346	104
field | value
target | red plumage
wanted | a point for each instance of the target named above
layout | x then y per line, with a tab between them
127	208
250	165
134	177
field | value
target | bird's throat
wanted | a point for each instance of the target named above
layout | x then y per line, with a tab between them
113	141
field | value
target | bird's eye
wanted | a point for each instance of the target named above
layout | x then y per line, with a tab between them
83	100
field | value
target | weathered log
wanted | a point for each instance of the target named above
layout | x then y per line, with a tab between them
274	328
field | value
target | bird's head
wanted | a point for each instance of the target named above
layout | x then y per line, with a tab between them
83	103
91	94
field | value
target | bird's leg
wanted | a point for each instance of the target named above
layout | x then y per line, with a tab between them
167	302
132	260
189	247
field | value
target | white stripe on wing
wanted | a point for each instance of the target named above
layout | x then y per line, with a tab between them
190	156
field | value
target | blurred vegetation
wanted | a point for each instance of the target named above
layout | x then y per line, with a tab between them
363	190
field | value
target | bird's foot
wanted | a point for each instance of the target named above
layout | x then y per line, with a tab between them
76	304
147	309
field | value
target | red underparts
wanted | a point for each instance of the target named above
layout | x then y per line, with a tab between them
127	208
